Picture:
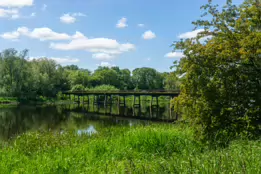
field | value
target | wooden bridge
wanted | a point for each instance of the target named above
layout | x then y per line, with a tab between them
107	96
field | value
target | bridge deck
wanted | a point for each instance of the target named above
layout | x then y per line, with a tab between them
124	93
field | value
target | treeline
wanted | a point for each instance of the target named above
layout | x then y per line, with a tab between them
27	79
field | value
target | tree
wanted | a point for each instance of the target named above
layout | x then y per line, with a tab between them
77	77
147	79
71	67
125	79
106	76
13	72
221	91
172	81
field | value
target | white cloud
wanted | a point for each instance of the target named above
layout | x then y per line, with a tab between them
33	14
23	30
106	64
57	59
38	33
64	60
44	7
87	44
122	23
148	35
174	55
141	25
206	38
16	3
79	14
15	16
10	35
97	45
78	35
47	34
70	18
67	19
8	13
190	34
103	48
102	56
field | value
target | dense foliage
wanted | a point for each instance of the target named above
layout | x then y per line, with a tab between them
29	79
221	91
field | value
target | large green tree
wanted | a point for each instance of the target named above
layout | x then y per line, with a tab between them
147	79
13	72
221	91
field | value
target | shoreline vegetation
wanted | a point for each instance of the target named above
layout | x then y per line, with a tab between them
156	148
8	100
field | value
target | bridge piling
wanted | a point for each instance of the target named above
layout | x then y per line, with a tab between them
134	102
108	96
119	100
105	100
157	101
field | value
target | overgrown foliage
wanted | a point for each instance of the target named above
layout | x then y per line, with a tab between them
103	88
221	92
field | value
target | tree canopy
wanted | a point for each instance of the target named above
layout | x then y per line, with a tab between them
221	89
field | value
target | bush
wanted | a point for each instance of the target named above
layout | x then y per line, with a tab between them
103	88
78	88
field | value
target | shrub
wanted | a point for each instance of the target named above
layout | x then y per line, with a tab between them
103	88
77	88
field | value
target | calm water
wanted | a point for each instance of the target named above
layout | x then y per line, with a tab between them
15	120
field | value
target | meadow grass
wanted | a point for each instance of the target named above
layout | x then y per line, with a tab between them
157	148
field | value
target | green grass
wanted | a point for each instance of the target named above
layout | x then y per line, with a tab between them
157	148
6	100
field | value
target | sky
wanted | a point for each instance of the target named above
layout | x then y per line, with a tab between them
91	33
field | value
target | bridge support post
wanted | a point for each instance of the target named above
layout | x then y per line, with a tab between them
134	101
86	101
119	100
110	99
105	100
157	101
95	99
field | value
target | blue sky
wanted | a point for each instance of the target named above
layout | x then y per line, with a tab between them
88	33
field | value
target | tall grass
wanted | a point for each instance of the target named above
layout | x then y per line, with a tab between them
157	148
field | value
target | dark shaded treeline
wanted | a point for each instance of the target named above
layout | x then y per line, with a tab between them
24	78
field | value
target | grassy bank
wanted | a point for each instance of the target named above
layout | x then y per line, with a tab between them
151	149
8	100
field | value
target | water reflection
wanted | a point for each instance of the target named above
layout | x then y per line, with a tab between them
15	120
90	130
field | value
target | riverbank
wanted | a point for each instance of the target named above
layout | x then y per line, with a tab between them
8	100
158	148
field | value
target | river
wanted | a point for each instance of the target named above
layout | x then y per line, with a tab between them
19	119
